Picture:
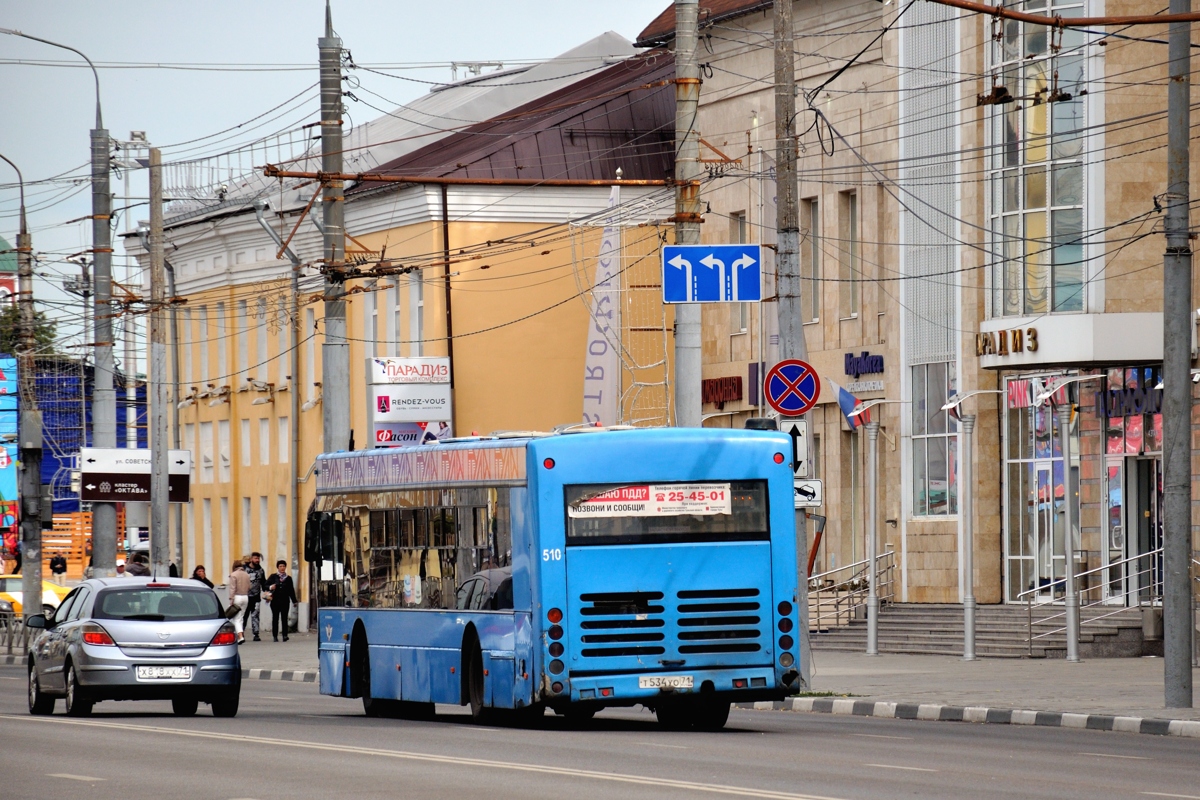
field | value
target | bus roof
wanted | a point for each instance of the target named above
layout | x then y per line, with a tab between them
485	461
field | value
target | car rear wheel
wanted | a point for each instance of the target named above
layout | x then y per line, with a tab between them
40	703
226	703
184	706
79	704
47	611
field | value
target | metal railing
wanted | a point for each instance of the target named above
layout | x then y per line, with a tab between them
1131	583
13	633
835	596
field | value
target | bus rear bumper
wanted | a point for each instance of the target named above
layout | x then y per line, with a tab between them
739	684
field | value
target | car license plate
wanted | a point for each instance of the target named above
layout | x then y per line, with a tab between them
156	673
665	682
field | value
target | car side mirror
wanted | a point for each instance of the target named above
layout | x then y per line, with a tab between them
36	621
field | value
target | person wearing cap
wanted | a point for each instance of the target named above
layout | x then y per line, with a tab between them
121	573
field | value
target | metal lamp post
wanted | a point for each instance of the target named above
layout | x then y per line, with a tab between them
1070	596
967	509
872	432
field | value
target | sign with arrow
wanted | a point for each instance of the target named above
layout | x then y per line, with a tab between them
798	430
706	273
122	475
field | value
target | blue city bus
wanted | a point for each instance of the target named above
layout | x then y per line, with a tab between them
569	571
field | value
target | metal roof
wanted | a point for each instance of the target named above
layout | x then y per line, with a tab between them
621	117
662	29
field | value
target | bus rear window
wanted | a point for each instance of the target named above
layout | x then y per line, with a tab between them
650	513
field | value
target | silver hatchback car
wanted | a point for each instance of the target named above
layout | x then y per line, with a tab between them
136	639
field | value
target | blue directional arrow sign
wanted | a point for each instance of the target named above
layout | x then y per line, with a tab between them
706	273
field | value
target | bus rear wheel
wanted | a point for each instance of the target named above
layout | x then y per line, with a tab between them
475	687
710	715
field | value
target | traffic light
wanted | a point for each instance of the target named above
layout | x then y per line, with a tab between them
323	537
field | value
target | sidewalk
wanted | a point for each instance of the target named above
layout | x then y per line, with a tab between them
1131	687
293	660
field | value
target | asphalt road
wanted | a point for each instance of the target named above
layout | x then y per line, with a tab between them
324	747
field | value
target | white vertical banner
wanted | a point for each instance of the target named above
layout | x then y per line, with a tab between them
602	362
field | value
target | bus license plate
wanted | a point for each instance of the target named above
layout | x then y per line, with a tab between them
665	682
154	673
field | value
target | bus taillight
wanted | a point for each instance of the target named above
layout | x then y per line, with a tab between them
779	458
548	463
554	615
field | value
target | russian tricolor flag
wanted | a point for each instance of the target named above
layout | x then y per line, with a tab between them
847	403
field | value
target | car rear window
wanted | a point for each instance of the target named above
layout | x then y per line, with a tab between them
175	603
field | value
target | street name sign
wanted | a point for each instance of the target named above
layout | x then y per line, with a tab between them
712	273
792	387
122	475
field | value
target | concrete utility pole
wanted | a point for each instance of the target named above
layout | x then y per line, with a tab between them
104	402
29	433
687	210
1178	619
160	534
335	351
787	254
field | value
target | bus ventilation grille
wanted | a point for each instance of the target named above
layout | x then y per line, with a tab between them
719	621
623	623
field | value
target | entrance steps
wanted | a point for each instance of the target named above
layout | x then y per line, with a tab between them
1000	632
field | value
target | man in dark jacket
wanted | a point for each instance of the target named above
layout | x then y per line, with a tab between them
283	593
58	568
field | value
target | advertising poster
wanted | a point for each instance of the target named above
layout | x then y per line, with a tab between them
409	401
8	452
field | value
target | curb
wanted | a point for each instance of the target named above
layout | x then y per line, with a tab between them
997	716
293	675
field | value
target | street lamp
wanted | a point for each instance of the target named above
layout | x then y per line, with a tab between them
966	481
104	401
1071	599
872	431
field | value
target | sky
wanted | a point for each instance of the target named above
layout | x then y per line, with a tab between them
47	111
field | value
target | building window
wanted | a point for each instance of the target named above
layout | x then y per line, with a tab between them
185	349
1036	171
416	299
810	260
310	354
261	356
397	324
264	525
245	442
222	336
851	273
264	441
243	347
285	440
934	441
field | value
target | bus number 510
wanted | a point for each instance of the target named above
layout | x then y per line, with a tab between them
554	554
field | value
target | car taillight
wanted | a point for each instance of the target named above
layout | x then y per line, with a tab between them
224	635
94	634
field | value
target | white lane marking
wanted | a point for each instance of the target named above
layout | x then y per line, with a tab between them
459	761
656	744
881	736
270	697
1163	794
1114	755
70	777
895	766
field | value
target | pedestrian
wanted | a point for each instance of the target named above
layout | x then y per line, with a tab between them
173	570
198	574
121	573
137	566
239	595
58	568
282	593
258	577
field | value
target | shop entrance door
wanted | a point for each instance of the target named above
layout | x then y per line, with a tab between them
1050	564
1144	576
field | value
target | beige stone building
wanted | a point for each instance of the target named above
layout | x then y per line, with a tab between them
977	198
